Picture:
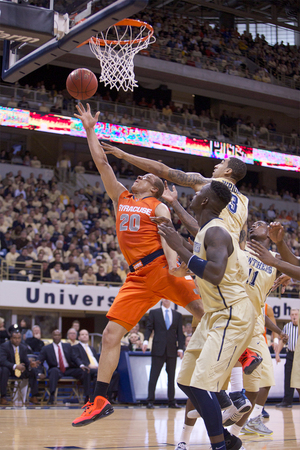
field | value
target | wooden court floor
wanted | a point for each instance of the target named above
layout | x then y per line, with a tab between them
133	428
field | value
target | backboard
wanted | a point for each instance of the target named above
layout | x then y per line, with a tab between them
29	43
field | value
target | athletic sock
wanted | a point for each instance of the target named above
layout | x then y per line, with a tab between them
235	429
236	379
257	410
186	433
101	388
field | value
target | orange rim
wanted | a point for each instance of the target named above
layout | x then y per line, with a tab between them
124	22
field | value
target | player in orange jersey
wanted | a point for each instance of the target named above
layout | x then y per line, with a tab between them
152	264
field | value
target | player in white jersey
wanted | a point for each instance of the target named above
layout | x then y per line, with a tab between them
228	323
229	171
259	283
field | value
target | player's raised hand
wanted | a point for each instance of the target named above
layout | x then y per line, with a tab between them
180	271
85	115
276	232
111	150
170	196
283	281
263	254
160	219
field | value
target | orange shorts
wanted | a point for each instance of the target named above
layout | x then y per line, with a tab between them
145	287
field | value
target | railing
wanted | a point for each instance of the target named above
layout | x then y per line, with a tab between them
274	141
33	271
114	112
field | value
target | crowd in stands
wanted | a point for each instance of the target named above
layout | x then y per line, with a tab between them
71	239
218	49
45	233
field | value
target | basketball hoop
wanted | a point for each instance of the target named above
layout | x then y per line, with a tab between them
116	49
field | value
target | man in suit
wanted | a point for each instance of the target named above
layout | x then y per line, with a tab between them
35	342
15	363
168	343
62	362
87	356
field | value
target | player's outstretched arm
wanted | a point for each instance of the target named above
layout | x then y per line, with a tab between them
191	179
276	233
265	256
162	211
111	184
171	196
218	245
243	236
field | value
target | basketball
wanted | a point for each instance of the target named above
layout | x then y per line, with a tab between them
82	84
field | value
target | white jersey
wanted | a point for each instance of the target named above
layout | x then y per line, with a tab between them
231	289
236	212
260	281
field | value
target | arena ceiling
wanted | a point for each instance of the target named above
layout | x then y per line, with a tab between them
276	12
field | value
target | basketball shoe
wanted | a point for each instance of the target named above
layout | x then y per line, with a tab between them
255	426
181	446
249	360
265	414
232	442
93	411
240	406
224	400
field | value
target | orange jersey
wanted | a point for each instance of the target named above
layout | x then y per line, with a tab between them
137	234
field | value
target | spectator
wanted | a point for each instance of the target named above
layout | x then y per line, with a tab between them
167	326
76	325
86	259
25	329
35	162
79	168
35	342
4	336
113	276
291	329
12	256
62	362
64	198
71	275
4	156
15	363
57	274
89	277
20	190
63	165
12	103
23	265
44	108
101	275
23	104
87	357
21	241
71	336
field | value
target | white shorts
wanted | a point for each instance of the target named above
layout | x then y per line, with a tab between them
216	345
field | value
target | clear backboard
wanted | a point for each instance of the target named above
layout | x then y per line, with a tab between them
34	36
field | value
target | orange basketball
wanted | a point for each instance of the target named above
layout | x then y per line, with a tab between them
82	84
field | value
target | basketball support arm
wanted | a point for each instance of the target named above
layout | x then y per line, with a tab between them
55	48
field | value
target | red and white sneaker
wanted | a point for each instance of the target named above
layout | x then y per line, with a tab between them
250	360
93	411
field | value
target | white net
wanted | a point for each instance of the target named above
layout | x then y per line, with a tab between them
116	49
